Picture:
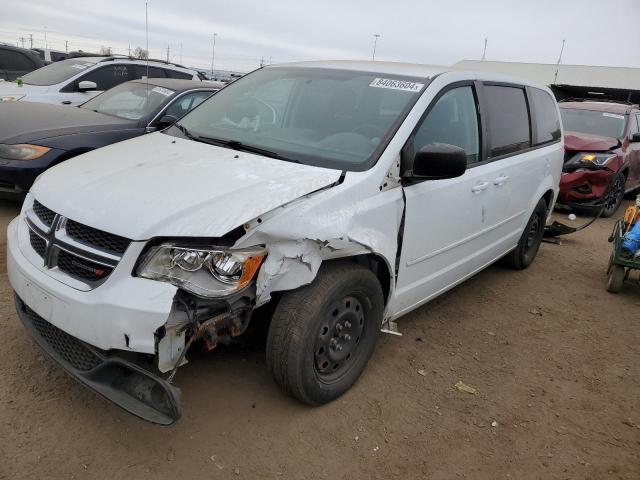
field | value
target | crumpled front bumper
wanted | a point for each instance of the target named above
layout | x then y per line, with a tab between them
586	188
124	383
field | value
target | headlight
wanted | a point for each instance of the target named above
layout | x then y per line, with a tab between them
206	272
22	151
10	98
594	158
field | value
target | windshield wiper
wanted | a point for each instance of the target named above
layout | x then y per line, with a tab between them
184	131
242	147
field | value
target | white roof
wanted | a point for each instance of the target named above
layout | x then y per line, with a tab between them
576	75
392	68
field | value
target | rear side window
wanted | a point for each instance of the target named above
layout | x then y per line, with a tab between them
176	74
153	72
545	117
508	125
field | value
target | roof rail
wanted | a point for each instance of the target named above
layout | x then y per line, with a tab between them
596	99
155	60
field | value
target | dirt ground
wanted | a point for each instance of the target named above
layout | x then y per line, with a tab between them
554	357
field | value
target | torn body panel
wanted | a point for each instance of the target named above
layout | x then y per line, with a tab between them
328	225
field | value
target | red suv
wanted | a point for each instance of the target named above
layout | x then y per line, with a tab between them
602	154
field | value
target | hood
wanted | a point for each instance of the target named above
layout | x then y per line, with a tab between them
159	185
28	122
583	142
12	88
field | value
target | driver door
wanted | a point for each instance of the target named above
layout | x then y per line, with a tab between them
444	239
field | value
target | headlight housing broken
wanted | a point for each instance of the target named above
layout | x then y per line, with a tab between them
206	272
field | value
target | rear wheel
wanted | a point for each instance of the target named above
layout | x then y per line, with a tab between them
614	196
322	336
616	278
529	244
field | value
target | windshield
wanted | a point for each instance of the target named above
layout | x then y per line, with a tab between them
57	72
593	122
131	100
330	118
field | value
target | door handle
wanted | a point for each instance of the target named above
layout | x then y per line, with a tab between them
66	102
501	180
480	187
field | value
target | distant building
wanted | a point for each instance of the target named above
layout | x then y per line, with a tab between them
583	81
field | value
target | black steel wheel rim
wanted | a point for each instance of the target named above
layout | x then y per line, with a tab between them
615	195
533	232
338	339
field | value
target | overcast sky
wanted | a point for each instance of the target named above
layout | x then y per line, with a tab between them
425	31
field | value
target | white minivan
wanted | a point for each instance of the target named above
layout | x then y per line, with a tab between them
77	80
323	199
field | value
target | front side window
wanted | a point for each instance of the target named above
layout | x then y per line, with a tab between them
508	122
326	117
593	122
57	72
106	77
186	103
546	117
131	101
453	120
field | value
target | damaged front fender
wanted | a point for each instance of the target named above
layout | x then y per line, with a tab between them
291	264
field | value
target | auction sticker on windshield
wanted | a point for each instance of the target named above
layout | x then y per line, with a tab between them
396	84
162	91
613	115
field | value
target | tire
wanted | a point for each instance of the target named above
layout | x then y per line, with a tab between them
616	278
342	307
529	244
614	196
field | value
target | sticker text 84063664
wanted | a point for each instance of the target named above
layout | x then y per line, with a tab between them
393	84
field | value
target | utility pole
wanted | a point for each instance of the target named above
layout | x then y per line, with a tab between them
213	53
66	46
129	49
22	41
484	51
45	37
555	77
168	48
262	61
31	40
375	44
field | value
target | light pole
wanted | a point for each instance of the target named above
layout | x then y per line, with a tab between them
375	43
213	54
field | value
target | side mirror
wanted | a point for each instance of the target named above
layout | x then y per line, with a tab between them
439	161
86	85
635	137
166	121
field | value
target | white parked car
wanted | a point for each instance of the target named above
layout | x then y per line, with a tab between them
76	80
329	198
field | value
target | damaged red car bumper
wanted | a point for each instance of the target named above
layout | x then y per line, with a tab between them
585	187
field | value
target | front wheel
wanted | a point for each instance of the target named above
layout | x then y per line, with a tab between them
322	335
529	244
614	196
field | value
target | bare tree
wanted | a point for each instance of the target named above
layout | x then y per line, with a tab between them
105	50
140	52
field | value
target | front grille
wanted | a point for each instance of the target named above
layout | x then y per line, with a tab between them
69	348
37	243
43	213
54	245
97	238
81	268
